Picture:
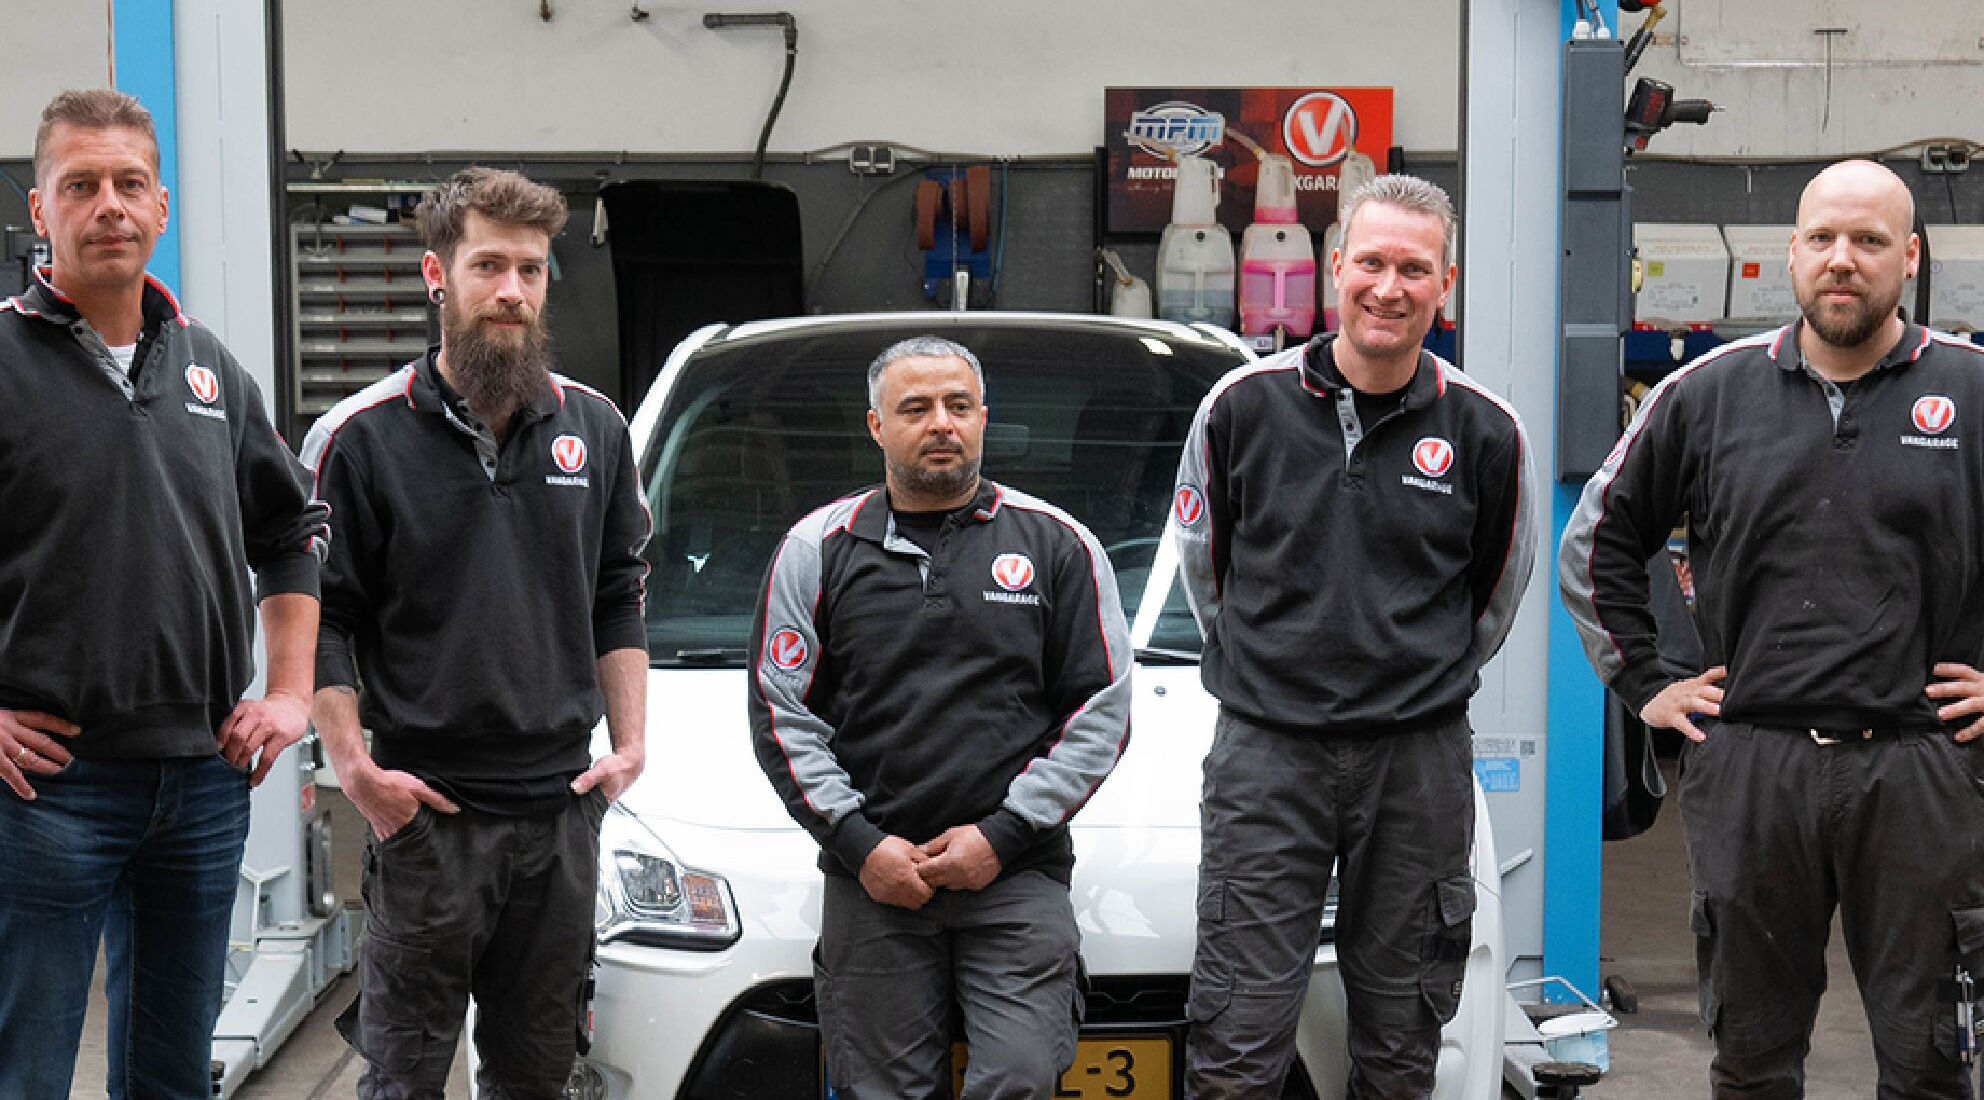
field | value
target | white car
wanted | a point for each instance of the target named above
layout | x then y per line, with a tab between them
709	900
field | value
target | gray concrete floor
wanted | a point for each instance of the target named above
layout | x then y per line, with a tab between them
1660	1052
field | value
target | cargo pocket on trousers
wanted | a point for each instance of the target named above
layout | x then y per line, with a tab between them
387	1023
1970	954
1970	941
1969	923
1207	1000
1449	934
1702	922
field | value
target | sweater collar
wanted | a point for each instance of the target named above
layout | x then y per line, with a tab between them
42	299
871	516
1320	375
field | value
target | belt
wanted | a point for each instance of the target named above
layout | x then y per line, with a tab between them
1823	736
1841	737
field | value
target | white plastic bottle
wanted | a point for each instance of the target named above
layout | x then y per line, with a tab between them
1195	253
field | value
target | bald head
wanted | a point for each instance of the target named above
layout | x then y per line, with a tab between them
1853	249
1862	183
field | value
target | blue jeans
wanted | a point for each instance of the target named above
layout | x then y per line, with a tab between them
145	854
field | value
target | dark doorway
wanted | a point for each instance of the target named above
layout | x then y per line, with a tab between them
689	252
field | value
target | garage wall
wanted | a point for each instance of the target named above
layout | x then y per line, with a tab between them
1012	77
45	55
1899	73
1021	77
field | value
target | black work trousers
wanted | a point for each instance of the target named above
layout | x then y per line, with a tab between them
1781	829
497	907
1395	814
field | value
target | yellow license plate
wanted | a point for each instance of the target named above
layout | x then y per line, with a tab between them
1105	1069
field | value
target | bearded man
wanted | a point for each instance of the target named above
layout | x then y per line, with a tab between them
1829	474
485	588
941	679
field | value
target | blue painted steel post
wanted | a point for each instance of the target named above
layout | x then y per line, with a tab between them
1573	870
143	64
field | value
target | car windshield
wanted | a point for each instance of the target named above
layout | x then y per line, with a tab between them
760	430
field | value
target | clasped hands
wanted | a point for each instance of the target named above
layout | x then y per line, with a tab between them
907	875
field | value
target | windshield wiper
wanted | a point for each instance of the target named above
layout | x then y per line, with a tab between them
1158	655
709	657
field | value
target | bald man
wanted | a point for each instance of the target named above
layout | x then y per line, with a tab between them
1831	474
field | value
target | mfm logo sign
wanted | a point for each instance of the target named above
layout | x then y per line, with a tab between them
1175	128
569	452
1433	456
203	383
1933	414
786	649
1012	572
1320	129
1314	126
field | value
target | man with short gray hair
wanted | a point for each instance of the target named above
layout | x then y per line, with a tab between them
1353	520
941	678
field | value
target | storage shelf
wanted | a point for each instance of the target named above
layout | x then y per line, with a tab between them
358	307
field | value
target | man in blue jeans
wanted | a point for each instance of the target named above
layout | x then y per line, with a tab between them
142	482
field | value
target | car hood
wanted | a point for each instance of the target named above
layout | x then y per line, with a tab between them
701	768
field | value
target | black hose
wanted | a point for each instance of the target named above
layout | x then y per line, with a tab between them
717	20
778	101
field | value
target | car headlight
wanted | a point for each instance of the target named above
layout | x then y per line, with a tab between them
647	896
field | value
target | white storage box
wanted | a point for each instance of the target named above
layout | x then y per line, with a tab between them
1686	273
1759	281
1956	277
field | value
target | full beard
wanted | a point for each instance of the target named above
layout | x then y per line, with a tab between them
1848	327
493	369
941	482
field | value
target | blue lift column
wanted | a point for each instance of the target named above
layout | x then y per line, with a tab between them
143	65
1539	716
1594	308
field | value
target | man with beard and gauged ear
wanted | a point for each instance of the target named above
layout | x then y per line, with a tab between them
485	588
1831	477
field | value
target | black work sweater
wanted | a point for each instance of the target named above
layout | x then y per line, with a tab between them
1834	563
901	692
132	511
473	601
1351	578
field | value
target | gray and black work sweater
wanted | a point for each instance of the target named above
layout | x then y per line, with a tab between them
1351	578
1836	558
899	692
472	589
134	512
